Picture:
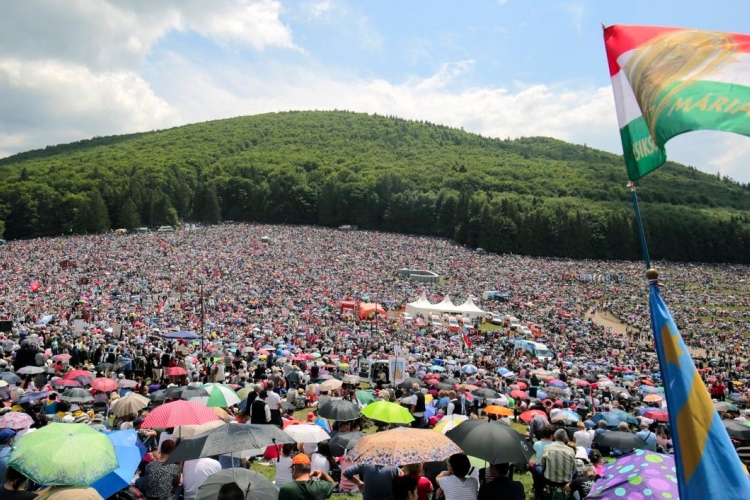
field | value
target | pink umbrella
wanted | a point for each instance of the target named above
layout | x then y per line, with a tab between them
104	384
176	371
16	421
61	357
179	413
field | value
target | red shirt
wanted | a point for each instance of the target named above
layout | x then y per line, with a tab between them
424	487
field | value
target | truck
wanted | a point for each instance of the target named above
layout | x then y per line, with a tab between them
495	295
534	350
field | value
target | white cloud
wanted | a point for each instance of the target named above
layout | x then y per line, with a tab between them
319	8
576	12
447	73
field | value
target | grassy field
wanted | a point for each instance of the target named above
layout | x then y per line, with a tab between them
270	471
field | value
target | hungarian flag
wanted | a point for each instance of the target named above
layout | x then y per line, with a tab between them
668	81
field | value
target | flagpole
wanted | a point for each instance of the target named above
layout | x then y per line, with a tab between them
639	221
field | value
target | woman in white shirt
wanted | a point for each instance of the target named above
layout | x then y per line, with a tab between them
322	459
284	466
457	483
583	437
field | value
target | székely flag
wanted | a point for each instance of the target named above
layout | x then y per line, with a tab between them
668	81
705	459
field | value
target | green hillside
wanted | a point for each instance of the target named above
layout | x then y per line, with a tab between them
536	196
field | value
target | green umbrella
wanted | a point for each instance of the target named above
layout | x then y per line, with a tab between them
365	397
64	455
242	393
220	396
390	413
511	402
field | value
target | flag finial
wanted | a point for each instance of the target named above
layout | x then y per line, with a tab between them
652	275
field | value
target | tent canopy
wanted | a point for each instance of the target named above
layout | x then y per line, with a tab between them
367	308
424	307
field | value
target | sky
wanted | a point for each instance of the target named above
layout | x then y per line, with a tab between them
77	69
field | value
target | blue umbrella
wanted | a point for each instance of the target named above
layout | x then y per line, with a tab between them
9	377
611	419
437	368
32	396
181	335
129	451
557	383
625	416
503	370
541	394
470	369
566	416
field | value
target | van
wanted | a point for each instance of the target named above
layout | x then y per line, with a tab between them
453	325
495	295
140	230
165	229
369	370
534	350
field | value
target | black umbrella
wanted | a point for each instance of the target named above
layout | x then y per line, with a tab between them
409	383
737	430
253	484
451	381
486	393
442	386
104	367
77	395
738	400
341	442
228	439
186	392
492	442
339	409
620	439
158	396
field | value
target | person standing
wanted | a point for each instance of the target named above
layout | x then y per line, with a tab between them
417	406
259	411
195	473
305	486
273	400
161	477
455	482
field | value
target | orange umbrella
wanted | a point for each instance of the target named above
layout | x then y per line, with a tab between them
498	410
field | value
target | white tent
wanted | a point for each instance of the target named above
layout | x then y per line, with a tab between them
425	308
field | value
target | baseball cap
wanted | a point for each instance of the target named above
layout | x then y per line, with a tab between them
301	459
310	416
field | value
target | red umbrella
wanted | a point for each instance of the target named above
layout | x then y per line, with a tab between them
61	357
66	383
176	371
179	413
522	385
528	416
519	395
582	383
77	373
658	415
104	384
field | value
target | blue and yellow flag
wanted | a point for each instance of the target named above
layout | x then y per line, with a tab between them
707	464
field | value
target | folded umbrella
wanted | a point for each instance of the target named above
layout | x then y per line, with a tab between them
254	485
401	446
129	451
620	439
339	409
228	439
491	441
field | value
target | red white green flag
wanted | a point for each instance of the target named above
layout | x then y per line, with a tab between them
668	81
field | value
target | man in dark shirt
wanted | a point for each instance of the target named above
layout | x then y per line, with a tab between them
583	483
502	485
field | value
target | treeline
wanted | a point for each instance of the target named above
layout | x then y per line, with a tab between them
533	196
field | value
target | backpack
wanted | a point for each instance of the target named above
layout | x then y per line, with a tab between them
419	407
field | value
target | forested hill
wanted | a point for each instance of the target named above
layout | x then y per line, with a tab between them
535	196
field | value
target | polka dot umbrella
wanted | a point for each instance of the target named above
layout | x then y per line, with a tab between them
639	476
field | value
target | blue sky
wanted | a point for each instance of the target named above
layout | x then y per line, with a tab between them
73	70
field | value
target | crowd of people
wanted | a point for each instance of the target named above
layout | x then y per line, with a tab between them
264	305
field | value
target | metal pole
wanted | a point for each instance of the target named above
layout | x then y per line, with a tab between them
203	315
639	221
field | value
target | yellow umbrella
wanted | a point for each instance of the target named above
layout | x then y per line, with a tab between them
446	425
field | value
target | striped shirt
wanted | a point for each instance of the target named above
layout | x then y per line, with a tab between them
559	462
455	489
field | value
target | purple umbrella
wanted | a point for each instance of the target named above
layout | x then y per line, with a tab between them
638	476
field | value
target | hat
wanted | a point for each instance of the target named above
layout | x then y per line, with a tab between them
301	459
68	419
310	416
6	435
98	418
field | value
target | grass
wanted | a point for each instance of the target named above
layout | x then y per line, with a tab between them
270	471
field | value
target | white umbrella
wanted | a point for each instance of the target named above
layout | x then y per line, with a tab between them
307	433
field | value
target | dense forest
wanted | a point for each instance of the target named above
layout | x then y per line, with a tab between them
536	196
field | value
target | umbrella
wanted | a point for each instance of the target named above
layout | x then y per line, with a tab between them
181	335
390	413
652	398
129	451
339	409
30	370
409	382
104	384
556	392
365	397
76	395
252	483
445	425
342	442
352	379
485	393
620	439
566	416
129	404
307	433
644	477
220	395
491	441
724	406
469	369
17	421
60	383
126	383
735	430
243	393
658	415
229	439
612	419
61	357
9	377
64	455
176	371
500	411
185	392
77	373
178	413
104	367
625	416
401	446
529	415
519	394
32	396
331	385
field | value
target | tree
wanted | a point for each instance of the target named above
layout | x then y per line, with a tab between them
2	229
207	205
98	216
129	217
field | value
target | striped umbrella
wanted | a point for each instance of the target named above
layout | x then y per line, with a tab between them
469	369
178	413
220	395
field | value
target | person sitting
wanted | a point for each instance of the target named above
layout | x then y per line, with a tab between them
304	484
618	452
558	461
424	485
648	436
455	483
580	487
15	486
404	488
502	485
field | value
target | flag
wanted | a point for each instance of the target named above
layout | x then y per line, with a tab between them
707	464
465	336
668	81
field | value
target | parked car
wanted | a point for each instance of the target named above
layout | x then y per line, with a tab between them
405	317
